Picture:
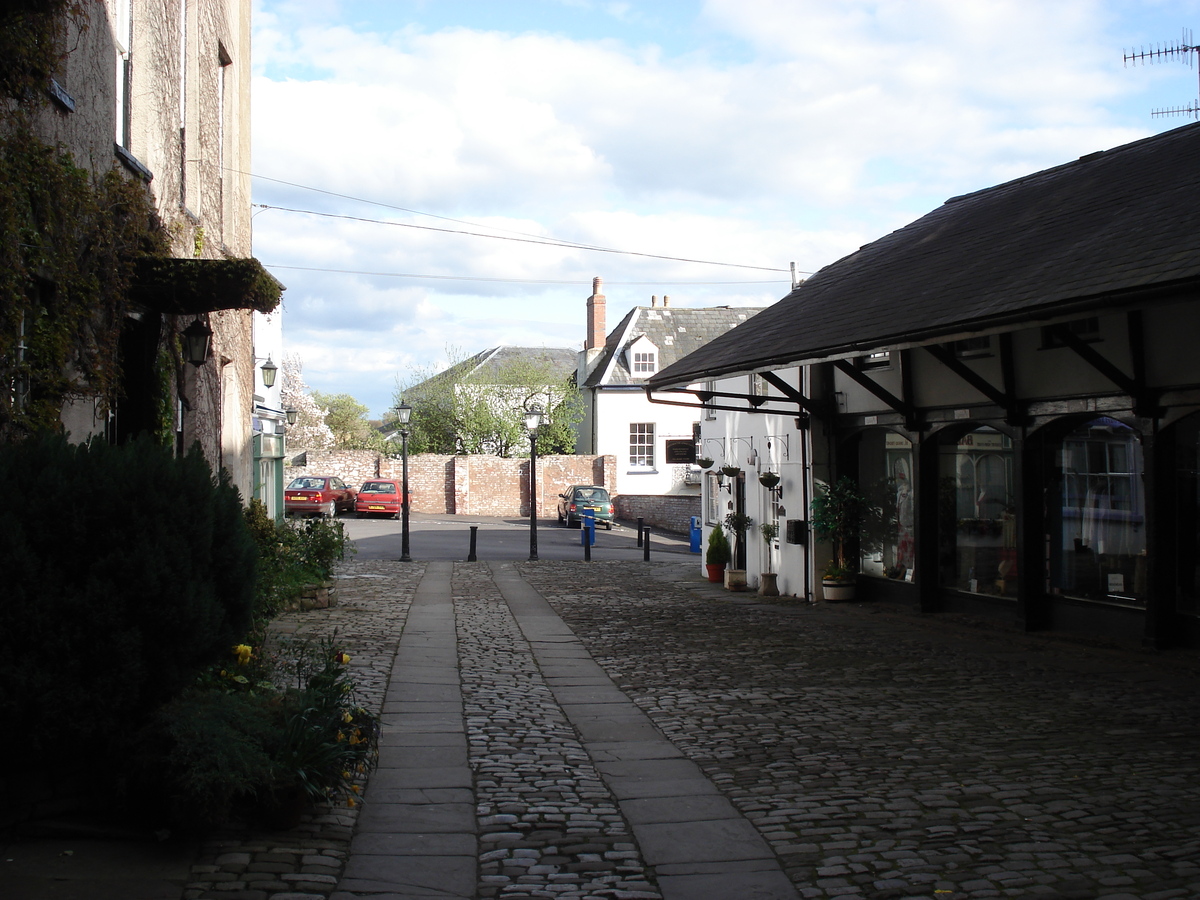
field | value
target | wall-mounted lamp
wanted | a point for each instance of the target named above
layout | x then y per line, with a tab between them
291	416
269	370
197	341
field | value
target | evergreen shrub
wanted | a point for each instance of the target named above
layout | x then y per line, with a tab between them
127	570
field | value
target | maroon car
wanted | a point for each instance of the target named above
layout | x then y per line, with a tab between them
318	495
379	497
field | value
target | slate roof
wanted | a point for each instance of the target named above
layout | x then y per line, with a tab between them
1111	228
676	331
482	367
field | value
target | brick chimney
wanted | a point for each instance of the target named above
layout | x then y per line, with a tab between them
666	301
595	316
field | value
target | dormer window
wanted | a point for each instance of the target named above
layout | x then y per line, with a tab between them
642	358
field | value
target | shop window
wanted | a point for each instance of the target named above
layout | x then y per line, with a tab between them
977	525
1096	514
885	477
712	499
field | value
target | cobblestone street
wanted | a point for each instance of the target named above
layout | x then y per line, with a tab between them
876	754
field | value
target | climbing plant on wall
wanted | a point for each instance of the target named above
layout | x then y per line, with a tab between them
68	244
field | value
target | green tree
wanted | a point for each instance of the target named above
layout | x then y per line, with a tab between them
347	419
468	408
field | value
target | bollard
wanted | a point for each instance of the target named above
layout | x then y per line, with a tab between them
640	521
587	529
474	534
646	546
587	551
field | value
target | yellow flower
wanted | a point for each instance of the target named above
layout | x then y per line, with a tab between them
351	802
355	788
243	653
342	657
341	737
346	717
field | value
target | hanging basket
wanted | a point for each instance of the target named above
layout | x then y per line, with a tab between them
704	462
768	479
731	471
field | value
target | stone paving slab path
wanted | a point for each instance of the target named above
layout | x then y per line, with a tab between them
593	731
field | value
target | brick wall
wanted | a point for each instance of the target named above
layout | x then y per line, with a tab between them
464	485
671	512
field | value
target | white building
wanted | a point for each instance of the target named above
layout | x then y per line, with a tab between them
654	443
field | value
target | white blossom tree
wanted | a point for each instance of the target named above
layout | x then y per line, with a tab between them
310	431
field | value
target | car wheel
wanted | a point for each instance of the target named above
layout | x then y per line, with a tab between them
331	510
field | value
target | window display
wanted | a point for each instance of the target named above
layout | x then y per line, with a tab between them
977	528
885	477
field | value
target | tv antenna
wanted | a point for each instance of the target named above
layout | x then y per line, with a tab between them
1184	50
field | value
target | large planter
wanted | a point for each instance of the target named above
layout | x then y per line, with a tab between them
838	590
735	579
716	572
768	584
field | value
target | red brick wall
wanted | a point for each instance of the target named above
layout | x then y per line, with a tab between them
466	485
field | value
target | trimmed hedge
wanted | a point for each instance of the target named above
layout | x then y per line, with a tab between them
127	571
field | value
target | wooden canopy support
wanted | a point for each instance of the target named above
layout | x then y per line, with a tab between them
1004	398
869	384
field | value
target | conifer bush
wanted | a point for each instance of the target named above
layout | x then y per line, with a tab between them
128	571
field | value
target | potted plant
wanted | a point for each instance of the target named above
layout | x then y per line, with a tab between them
737	523
731	471
768	585
705	462
769	480
837	516
718	554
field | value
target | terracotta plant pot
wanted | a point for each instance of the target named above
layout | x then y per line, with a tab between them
715	572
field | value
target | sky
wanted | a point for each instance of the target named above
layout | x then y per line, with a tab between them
433	178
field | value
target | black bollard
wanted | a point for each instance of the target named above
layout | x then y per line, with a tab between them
474	534
587	548
640	523
646	547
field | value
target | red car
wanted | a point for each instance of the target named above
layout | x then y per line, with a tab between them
318	495
379	497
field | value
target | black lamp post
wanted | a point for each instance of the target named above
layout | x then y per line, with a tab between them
533	420
403	416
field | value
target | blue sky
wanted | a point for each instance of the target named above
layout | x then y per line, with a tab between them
747	132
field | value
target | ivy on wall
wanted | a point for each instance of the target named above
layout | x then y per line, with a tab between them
68	246
33	44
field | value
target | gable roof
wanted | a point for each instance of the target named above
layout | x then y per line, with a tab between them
676	331
483	367
1106	230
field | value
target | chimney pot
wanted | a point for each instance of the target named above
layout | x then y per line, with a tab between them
666	300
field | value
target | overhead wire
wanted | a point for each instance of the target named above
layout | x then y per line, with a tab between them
582	281
520	236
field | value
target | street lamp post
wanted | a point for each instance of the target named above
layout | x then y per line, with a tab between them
403	416
533	420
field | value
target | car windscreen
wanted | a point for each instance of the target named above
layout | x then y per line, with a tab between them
307	484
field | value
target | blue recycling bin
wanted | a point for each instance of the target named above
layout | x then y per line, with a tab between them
587	528
694	546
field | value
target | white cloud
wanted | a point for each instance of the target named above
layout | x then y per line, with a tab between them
789	130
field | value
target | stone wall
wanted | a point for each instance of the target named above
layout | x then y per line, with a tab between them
671	512
463	485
